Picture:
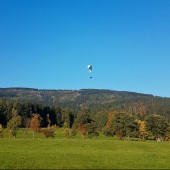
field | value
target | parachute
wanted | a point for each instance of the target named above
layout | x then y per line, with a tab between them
90	70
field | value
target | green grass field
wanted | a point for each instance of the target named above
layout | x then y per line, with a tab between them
98	153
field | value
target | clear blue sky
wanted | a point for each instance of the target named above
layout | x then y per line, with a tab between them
47	44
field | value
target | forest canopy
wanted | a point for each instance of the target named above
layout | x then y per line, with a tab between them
121	114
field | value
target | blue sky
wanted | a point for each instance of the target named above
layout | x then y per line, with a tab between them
47	44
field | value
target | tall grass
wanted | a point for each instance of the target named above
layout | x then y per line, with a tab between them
98	153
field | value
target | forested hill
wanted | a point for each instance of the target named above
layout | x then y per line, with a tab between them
95	99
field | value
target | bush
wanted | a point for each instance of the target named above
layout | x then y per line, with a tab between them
108	131
66	132
70	132
73	132
48	132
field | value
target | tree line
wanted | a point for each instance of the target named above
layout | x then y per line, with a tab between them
44	118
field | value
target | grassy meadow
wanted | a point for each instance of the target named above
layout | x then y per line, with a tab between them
99	153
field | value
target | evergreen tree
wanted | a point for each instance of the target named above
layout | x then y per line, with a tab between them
157	126
85	124
124	125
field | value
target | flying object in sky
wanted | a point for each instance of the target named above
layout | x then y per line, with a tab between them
90	70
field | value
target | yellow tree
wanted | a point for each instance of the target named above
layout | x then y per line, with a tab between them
142	129
14	123
35	123
107	129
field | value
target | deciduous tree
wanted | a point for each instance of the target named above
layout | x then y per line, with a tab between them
142	129
35	123
14	123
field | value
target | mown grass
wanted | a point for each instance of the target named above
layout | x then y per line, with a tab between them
98	153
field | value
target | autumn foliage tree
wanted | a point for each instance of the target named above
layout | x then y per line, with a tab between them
14	123
142	129
107	129
35	123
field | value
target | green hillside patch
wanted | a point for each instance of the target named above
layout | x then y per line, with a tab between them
65	153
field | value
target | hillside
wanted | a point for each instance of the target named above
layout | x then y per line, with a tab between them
95	99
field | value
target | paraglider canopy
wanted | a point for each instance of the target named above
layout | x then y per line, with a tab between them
89	68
